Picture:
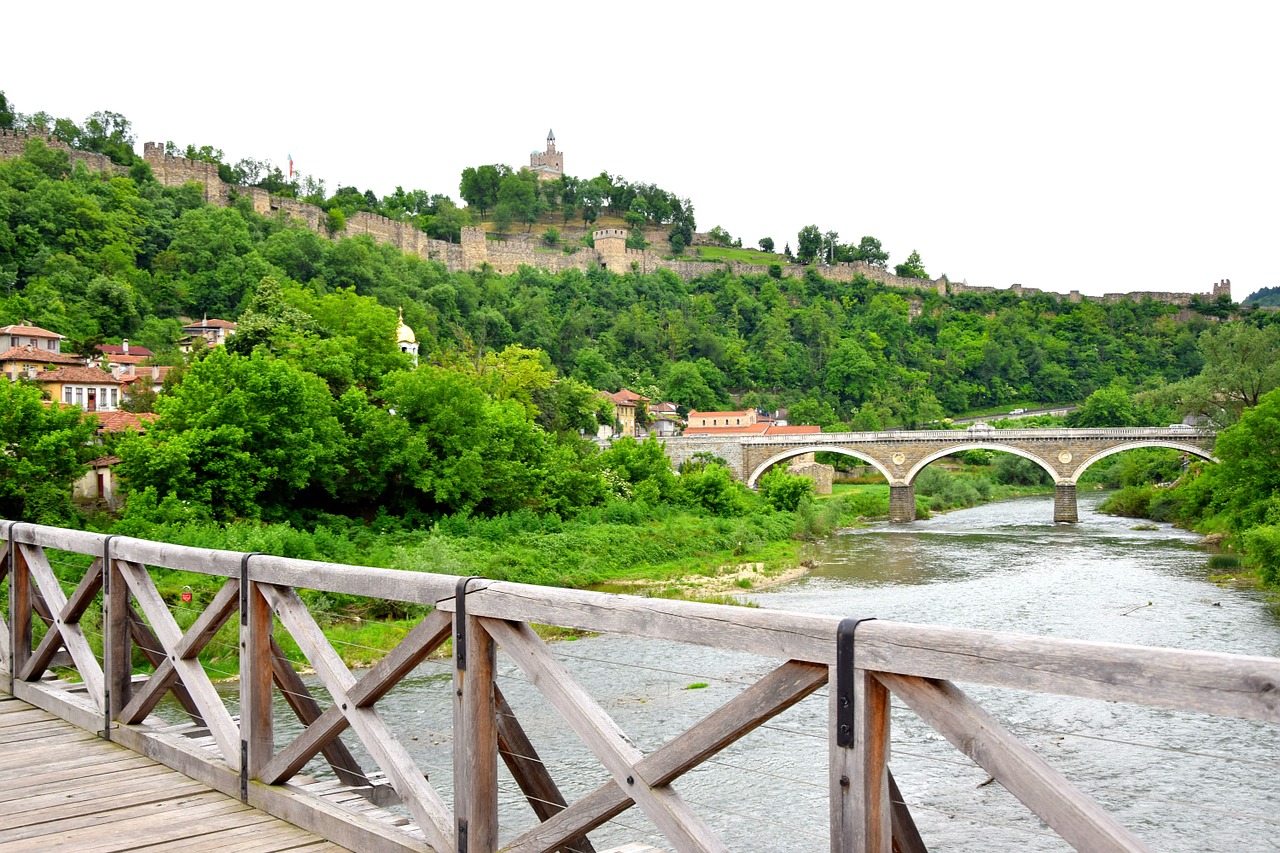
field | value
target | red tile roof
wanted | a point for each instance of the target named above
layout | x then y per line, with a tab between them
87	375
131	358
766	428
103	462
626	397
29	331
30	353
740	414
118	349
121	421
209	324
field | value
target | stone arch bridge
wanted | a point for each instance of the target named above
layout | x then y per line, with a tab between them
901	455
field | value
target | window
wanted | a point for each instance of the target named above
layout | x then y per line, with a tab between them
80	397
113	392
66	394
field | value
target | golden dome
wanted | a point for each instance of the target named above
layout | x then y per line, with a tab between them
404	335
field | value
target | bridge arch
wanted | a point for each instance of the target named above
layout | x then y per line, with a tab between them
979	445
800	451
1135	445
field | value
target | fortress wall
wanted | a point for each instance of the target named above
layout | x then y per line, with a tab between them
14	142
176	171
506	256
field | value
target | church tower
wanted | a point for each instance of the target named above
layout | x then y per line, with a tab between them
548	164
406	340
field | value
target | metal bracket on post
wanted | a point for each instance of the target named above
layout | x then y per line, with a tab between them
244	624
460	621
846	734
462	835
107	658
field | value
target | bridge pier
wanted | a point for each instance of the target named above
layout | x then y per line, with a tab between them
1064	503
902	503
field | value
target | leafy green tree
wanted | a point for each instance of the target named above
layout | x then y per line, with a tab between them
808	244
870	251
686	386
44	447
783	490
479	186
241	436
551	237
766	244
7	112
913	268
1241	364
267	316
448	221
1112	406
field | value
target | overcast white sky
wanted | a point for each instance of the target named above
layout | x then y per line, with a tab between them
1097	146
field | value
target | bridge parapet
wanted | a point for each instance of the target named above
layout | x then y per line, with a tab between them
900	455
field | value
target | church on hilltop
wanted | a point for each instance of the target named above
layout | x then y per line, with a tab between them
549	164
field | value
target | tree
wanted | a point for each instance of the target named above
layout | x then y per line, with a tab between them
870	251
479	187
808	244
7	113
686	386
551	237
766	244
241	436
913	268
1241	364
448	221
784	491
44	447
1107	407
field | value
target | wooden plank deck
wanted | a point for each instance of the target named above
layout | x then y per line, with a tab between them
62	788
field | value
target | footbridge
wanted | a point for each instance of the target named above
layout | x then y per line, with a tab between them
901	455
445	746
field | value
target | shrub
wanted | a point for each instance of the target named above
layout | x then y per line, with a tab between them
1262	546
784	491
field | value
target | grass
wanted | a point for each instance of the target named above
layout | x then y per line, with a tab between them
745	256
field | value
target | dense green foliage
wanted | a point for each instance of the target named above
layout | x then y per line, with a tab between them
41	451
313	414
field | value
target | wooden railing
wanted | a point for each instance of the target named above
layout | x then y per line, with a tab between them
864	661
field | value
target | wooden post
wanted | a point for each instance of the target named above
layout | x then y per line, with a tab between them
117	654
475	748
861	821
19	611
257	740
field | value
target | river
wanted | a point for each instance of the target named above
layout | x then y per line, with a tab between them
1181	782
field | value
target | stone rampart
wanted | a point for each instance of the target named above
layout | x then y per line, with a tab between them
507	256
14	142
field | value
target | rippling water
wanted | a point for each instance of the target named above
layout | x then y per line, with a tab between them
1179	781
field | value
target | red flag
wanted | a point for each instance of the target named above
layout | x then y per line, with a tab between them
290	165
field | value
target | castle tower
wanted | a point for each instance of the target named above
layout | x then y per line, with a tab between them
611	247
549	164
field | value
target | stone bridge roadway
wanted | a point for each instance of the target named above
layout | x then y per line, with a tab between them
901	455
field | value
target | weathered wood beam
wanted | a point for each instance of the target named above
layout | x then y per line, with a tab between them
475	741
307	710
416	646
68	614
1079	820
673	817
530	773
421	799
215	714
72	635
776	692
